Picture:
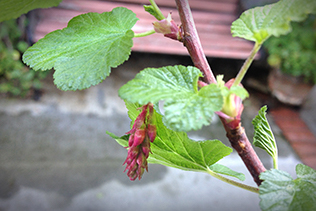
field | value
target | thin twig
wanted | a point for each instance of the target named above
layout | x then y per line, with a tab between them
239	141
192	42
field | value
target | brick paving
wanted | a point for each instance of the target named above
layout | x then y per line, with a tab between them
297	133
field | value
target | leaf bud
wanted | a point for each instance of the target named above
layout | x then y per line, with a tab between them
169	28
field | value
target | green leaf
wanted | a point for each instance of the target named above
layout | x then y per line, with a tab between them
84	52
151	10
123	141
263	136
237	90
154	84
10	9
259	23
175	149
221	169
280	192
186	107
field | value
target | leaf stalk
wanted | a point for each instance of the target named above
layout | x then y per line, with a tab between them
242	72
275	162
144	34
160	16
232	182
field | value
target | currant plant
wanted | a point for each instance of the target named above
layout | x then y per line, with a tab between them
15	8
84	52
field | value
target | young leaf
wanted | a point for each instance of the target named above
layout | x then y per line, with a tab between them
221	169
176	150
10	9
84	52
186	107
151	10
237	90
263	136
123	141
279	192
259	23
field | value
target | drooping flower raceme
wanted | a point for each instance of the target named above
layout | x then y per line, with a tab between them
142	133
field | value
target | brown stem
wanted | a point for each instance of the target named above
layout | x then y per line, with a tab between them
241	144
236	136
192	42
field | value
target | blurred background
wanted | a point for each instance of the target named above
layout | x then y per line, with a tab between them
54	151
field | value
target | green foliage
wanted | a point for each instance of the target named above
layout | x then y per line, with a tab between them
263	136
259	23
186	107
279	192
295	53
154	10
237	90
175	149
221	169
10	9
151	10
84	52
15	78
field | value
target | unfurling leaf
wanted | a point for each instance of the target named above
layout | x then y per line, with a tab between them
233	106
151	10
84	52
279	192
263	136
186	107
259	23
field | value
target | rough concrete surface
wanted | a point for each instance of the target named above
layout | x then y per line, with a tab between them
55	155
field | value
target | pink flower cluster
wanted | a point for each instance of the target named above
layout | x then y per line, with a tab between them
142	133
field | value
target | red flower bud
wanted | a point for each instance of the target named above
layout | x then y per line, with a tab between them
131	140
140	120
132	170
139	136
151	127
141	160
151	132
146	147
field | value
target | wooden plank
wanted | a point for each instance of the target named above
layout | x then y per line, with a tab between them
102	6
213	27
180	50
206	25
225	6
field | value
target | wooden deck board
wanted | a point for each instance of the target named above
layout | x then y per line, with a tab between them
226	6
212	22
